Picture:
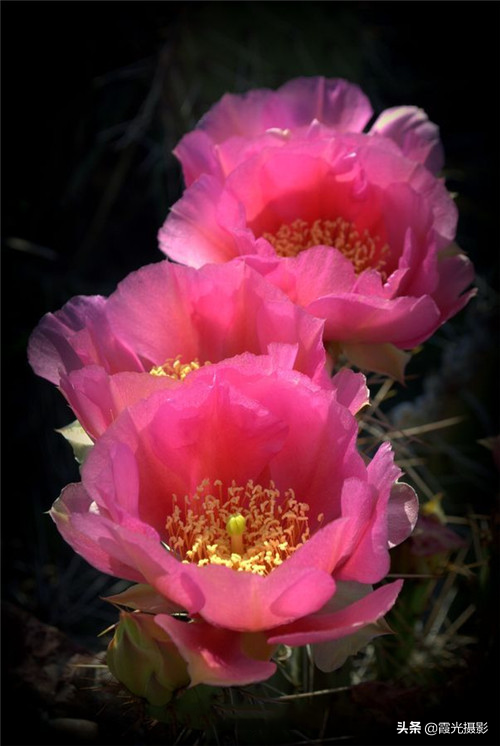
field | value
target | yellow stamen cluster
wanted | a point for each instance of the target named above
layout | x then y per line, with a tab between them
363	250
249	529
174	368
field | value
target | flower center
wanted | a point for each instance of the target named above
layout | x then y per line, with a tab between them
362	249
174	368
249	529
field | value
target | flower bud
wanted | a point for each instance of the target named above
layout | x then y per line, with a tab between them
143	657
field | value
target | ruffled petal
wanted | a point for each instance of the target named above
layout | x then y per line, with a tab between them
334	102
366	505
351	318
315	273
50	351
196	153
97	398
192	233
90	534
351	389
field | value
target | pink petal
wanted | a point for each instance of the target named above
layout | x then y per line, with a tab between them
90	534
298	406
98	398
211	314
402	513
246	601
329	547
215	432
368	559
192	233
456	274
366	504
172	437
382	471
196	153
152	309
417	137
419	259
323	627
162	570
332	654
351	389
89	395
318	272
240	601
318	470
335	106
50	351
334	102
410	194
279	185
214	656
403	322
76	336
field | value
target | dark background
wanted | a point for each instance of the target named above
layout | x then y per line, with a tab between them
95	96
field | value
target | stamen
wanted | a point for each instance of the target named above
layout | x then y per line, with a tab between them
363	250
248	529
173	368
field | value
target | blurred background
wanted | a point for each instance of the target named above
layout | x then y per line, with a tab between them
95	96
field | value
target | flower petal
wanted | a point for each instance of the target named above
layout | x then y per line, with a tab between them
90	534
245	601
197	154
49	349
324	627
352	318
456	274
417	137
366	504
332	654
192	233
214	656
402	512
352	391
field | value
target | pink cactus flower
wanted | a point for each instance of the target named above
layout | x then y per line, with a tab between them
241	499
228	131
347	225
163	322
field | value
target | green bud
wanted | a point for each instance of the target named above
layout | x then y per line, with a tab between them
144	658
